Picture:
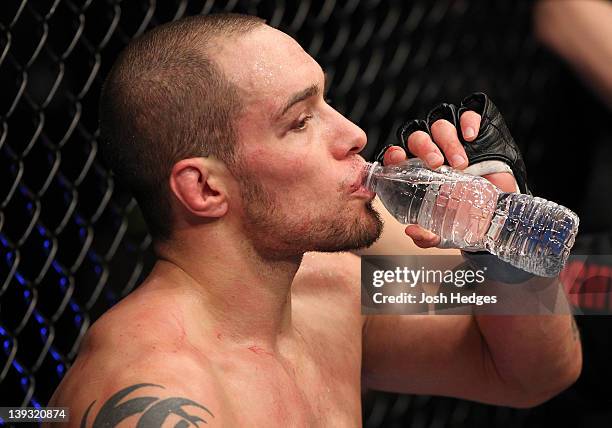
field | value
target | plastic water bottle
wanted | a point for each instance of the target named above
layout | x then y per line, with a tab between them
472	214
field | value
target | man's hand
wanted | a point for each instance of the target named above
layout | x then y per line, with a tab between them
439	140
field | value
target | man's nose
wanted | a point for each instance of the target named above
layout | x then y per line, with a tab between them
351	139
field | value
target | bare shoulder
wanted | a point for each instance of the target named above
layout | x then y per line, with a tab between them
147	377
149	397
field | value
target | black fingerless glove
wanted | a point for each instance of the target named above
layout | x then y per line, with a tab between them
493	143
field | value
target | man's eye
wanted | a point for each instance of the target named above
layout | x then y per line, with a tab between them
301	125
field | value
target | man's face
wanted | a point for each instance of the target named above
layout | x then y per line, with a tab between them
298	165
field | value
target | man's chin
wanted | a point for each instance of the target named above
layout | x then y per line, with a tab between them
361	234
374	230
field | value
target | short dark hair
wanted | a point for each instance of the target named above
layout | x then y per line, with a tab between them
165	99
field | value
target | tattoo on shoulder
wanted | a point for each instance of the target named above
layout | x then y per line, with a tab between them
154	411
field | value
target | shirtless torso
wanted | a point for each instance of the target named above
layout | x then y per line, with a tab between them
156	336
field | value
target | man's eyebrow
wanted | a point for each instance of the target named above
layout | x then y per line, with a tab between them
302	95
311	91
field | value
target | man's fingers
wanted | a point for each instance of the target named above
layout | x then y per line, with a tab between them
444	135
470	125
422	238
421	145
393	155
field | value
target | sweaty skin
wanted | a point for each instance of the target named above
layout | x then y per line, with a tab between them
237	327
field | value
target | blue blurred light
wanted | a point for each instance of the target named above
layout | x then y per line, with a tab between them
24	381
60	369
43	332
57	267
82	232
4	240
39	318
26	294
7	345
17	366
74	306
2	331
97	270
41	229
55	355
20	278
29	206
46	243
9	257
78	319
35	403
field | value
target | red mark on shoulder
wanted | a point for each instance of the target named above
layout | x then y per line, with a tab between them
219	336
259	351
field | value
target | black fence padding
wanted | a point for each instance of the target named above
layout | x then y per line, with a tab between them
72	241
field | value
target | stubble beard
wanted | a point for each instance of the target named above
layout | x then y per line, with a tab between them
276	237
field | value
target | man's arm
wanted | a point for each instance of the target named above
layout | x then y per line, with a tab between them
516	361
580	31
141	391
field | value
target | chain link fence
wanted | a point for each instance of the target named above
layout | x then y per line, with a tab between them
72	241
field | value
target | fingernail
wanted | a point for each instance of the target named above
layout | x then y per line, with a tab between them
457	160
469	132
433	158
396	156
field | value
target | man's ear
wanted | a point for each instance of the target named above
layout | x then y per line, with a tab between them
195	185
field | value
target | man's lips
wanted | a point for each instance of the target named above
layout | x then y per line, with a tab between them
358	183
362	191
358	188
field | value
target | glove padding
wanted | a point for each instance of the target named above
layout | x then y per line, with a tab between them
493	150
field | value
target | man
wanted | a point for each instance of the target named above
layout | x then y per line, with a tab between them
219	126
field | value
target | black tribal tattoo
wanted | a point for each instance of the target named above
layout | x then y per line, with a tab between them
154	410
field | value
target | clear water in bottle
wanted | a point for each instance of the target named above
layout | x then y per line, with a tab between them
472	214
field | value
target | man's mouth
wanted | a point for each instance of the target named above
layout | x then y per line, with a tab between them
363	192
358	188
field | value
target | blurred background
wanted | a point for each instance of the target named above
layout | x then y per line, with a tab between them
72	241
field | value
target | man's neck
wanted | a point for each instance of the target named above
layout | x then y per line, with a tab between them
243	297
